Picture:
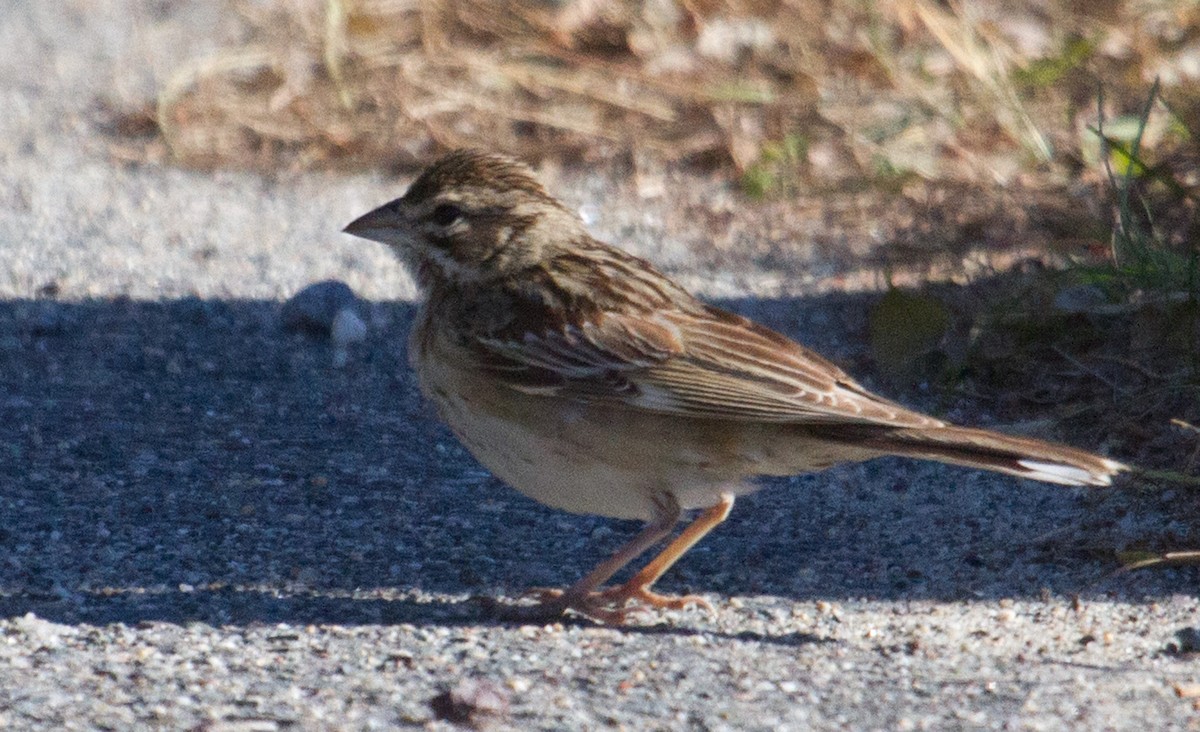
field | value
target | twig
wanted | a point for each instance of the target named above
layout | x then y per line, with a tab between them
1166	558
1087	370
1185	425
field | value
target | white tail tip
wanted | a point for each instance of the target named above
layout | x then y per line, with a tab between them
1069	474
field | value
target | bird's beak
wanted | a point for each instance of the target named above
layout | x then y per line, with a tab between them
381	225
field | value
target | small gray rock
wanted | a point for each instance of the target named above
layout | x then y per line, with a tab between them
471	702
1187	642
315	308
1079	298
348	328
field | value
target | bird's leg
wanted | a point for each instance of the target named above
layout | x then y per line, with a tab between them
638	586
608	605
582	596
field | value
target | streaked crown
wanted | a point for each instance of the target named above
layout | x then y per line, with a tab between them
471	216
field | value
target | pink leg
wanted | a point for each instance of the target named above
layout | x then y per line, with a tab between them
638	586
608	605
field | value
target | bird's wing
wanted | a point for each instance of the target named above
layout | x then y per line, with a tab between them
705	364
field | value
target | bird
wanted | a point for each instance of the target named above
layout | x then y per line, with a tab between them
588	380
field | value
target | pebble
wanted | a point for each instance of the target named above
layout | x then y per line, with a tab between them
1082	299
471	701
315	309
348	328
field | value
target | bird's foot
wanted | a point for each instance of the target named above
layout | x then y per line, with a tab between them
611	607
642	597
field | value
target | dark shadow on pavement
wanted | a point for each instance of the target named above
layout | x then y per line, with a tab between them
153	451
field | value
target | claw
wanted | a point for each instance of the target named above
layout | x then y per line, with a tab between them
600	610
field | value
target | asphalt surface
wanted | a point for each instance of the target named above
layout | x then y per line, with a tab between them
205	525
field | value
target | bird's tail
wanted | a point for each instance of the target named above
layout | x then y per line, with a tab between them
975	448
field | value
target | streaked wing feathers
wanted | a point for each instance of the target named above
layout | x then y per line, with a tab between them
708	363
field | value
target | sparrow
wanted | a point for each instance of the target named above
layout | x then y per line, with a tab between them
589	381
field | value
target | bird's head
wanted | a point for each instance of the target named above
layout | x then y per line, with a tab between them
471	217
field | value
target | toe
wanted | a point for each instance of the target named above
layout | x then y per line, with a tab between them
675	602
644	597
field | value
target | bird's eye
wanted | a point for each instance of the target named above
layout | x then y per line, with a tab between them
446	214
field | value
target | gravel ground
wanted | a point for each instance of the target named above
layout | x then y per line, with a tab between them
207	526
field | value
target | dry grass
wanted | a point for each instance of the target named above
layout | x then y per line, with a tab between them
828	93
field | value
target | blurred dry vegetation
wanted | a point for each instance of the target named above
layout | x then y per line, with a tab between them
841	92
1068	124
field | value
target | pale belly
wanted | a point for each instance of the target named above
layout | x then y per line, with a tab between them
577	457
552	471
